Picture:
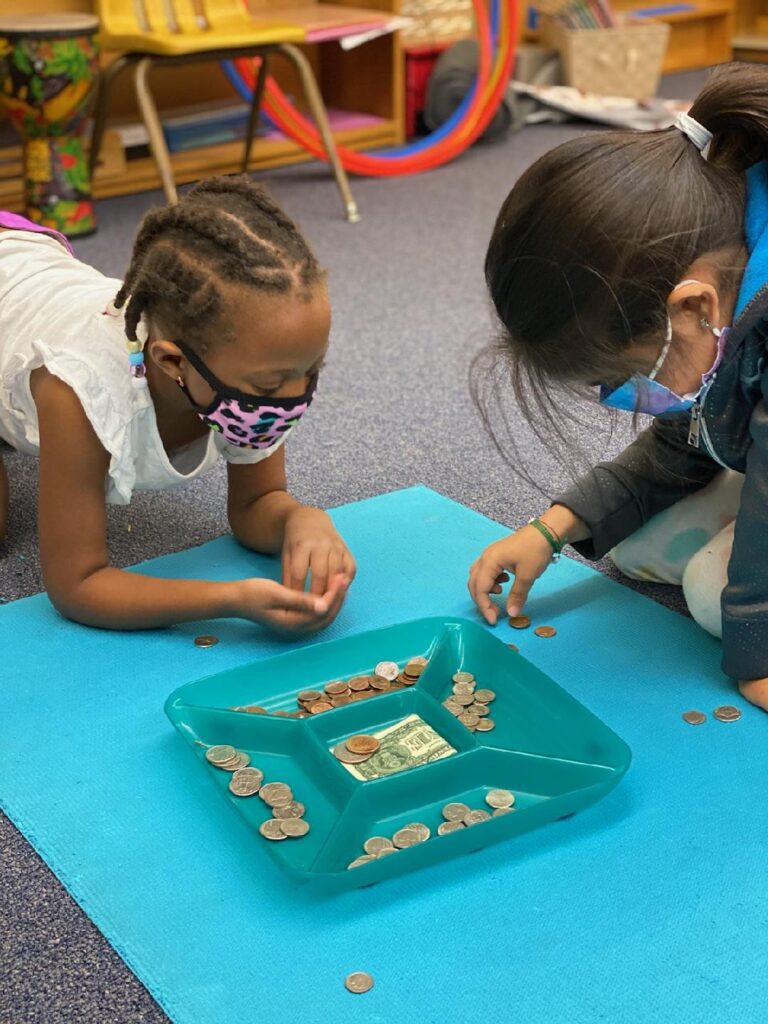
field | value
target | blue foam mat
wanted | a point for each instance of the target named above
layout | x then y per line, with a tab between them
649	907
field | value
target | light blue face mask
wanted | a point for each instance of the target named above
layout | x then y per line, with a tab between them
643	394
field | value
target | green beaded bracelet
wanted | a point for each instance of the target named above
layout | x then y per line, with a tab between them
556	545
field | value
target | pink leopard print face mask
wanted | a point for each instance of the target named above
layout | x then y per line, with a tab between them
248	421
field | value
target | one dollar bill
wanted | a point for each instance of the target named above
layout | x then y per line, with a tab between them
404	745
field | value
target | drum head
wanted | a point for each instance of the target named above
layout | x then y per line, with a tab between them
48	26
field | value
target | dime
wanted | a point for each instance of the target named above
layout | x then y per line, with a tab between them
463	677
419	660
270	829
421	830
336	689
358	683
479	709
293	827
206	641
449	826
694	717
366	858
499	798
485	725
380	683
502	810
220	754
292	810
469	720
276	794
727	713
363	744
455	812
241	761
405	837
246	781
309	696
342	753
319	706
519	622
376	844
358	982
475	817
387	670
484	696
545	631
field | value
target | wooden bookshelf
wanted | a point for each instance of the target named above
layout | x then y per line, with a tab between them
750	40
366	80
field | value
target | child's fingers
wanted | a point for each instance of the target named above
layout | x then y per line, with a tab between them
518	595
297	602
295	569
482	578
319	564
349	565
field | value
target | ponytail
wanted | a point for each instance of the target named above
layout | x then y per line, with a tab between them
733	105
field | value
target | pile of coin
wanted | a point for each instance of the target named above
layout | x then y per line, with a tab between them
287	819
356	749
455	815
470	705
387	676
724	713
523	622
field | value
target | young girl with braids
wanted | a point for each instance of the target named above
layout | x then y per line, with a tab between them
639	262
212	346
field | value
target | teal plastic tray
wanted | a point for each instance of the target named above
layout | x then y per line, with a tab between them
553	753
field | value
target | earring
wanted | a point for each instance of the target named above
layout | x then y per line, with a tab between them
705	324
180	382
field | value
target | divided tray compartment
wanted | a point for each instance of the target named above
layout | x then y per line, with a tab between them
554	754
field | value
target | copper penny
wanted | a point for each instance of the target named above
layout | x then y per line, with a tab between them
319	706
363	744
359	683
694	717
337	688
206	641
545	631
309	696
358	982
727	713
254	709
513	647
380	683
519	622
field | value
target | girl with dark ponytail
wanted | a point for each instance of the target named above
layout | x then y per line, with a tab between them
637	262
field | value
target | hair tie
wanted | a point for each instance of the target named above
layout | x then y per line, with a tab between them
697	133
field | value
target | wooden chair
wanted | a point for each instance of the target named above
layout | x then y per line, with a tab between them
152	33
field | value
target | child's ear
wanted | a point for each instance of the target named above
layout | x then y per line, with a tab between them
696	300
166	355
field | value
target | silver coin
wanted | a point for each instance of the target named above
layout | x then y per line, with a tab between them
500	798
366	858
449	826
294	827
358	982
455	812
405	837
270	829
220	754
276	794
241	761
246	781
342	753
463	677
385	852
292	810
475	817
421	830
376	844
387	670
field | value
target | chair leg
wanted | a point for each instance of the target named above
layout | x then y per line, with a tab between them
316	105
253	116
103	93
154	129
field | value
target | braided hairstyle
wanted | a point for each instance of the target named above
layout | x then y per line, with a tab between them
226	230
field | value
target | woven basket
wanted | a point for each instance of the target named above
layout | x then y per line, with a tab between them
623	61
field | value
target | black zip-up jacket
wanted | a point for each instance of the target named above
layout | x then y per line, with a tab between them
678	455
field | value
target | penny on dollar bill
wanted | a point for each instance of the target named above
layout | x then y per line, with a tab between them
246	781
376	844
545	631
485	696
206	641
293	827
270	829
405	837
455	811
694	717
420	829
387	670
363	744
342	753
309	696
485	725
365	858
463	677
292	810
727	713
519	622
449	826
276	794
475	817
220	754
358	983
499	798
319	707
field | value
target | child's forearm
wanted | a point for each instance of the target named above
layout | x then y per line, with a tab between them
260	525
113	599
568	526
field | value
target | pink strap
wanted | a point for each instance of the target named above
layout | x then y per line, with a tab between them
18	223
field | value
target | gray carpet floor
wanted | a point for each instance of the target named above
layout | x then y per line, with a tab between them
409	314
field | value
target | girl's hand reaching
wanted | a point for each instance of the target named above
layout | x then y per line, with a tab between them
290	611
311	546
524	555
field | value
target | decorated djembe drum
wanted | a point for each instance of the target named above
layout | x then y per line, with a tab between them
48	75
